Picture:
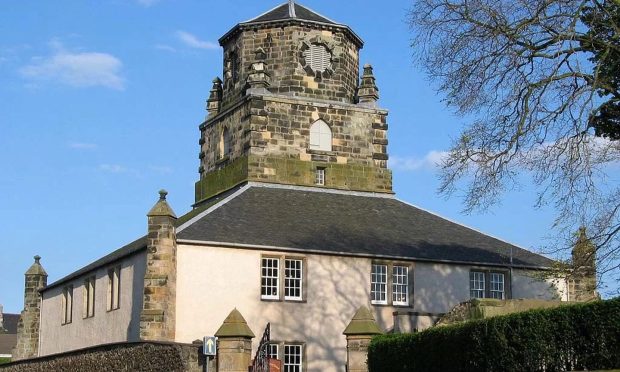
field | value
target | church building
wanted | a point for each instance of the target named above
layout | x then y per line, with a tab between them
294	223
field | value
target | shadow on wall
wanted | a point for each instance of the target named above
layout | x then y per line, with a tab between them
337	288
133	329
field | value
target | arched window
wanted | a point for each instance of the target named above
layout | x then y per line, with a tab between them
225	143
320	136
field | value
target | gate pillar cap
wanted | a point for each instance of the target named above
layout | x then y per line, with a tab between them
363	323
235	326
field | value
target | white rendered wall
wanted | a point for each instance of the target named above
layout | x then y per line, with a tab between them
212	281
105	327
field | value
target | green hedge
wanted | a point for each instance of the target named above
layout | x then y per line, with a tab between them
5	360
572	337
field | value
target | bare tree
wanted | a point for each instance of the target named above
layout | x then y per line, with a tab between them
533	77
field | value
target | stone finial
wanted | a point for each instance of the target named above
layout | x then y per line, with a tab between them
214	103
36	268
258	79
235	326
362	323
368	93
28	325
291	9
162	208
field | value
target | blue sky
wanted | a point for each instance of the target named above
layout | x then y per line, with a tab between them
100	103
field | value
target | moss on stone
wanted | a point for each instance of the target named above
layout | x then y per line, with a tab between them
226	178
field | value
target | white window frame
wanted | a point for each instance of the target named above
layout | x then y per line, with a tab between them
225	143
477	284
320	136
293	279
400	285
297	364
273	351
319	178
497	287
114	296
268	278
378	284
67	305
89	297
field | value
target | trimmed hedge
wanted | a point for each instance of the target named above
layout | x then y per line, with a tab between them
572	337
5	360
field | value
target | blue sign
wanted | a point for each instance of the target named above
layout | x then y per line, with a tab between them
210	346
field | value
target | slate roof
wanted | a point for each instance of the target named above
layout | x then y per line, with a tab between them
133	247
9	322
290	12
347	223
8	340
332	222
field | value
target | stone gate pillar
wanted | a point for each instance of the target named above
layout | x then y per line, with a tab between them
157	319
234	344
28	324
359	332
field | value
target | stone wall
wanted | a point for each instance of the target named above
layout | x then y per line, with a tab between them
270	143
281	49
118	357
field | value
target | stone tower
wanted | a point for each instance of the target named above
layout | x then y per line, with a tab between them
582	282
28	324
157	319
290	108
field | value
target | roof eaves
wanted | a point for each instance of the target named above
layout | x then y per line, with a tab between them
355	36
470	228
132	248
213	208
352	254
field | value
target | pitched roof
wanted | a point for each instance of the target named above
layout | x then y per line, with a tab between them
332	222
291	12
325	221
9	322
133	247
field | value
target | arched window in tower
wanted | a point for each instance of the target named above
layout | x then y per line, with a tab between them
225	148
320	136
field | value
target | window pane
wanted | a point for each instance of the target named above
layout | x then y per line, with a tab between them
497	286
273	351
320	136
378	284
476	284
400	285
293	279
292	358
270	278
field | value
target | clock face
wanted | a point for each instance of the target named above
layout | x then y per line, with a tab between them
318	57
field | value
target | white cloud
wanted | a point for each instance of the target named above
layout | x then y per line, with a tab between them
83	146
194	42
165	47
429	161
113	168
79	69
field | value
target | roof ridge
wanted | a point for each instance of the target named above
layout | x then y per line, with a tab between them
291	9
319	14
367	194
262	14
200	215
